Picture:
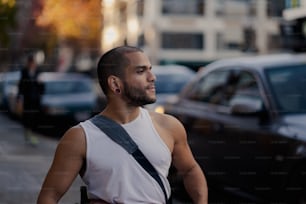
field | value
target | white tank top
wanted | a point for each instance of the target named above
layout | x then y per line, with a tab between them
114	175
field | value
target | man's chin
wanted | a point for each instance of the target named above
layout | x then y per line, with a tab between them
152	101
143	102
148	102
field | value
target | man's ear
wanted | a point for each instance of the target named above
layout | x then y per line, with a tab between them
114	84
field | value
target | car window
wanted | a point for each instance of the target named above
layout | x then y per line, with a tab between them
247	91
66	87
217	87
222	87
208	85
288	87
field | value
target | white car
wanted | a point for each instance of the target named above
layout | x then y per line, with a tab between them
170	79
67	97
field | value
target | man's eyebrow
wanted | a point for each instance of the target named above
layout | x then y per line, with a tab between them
143	67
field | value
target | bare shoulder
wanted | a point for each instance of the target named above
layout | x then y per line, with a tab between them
73	140
74	133
167	125
166	120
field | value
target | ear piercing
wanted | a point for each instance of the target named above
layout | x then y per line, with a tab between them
118	91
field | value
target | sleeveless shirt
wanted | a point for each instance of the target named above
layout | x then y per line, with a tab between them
114	175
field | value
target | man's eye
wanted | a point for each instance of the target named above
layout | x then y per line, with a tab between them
140	71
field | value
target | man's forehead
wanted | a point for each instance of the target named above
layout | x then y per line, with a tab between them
138	59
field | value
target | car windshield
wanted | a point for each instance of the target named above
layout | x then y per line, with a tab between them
170	83
288	87
66	87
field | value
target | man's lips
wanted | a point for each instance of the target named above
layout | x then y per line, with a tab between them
151	88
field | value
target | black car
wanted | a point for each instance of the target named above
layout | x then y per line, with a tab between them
246	125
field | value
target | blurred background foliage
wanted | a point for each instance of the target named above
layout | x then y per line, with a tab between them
48	26
7	20
72	18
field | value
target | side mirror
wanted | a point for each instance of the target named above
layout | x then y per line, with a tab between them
243	105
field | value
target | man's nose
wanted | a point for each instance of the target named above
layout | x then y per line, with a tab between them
151	76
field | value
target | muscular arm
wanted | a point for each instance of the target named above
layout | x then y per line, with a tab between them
188	168
66	164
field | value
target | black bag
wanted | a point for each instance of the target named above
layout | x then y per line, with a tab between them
84	197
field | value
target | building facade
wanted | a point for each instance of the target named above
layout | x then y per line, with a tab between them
293	28
194	32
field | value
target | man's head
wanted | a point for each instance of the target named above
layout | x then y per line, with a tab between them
113	62
31	63
126	71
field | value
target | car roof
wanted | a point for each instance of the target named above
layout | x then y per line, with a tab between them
171	69
60	76
12	75
262	61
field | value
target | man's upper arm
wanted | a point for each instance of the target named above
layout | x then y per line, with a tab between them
187	167
182	157
66	165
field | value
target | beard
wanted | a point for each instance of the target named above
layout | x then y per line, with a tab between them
137	96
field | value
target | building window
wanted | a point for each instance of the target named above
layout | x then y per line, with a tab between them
182	40
293	3
229	41
183	7
141	40
275	8
249	40
274	42
140	7
235	8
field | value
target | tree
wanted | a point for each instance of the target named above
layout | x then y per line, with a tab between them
79	19
7	20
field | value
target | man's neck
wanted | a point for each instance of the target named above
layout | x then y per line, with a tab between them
121	114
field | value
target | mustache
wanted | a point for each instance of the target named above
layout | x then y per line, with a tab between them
150	86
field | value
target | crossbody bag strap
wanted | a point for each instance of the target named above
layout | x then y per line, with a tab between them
119	135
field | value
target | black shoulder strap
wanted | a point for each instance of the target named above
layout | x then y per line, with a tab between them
118	134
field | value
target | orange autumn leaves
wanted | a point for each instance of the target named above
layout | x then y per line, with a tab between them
72	18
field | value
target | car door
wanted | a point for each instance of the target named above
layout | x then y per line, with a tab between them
198	114
246	152
232	149
258	158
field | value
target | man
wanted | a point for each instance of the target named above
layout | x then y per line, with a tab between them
111	174
30	91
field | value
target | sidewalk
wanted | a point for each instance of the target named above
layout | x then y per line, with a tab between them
23	167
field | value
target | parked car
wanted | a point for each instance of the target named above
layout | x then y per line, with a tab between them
68	97
8	82
246	124
170	79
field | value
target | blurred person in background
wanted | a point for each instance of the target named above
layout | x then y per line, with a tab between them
111	173
29	95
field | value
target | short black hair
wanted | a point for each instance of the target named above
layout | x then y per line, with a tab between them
113	62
